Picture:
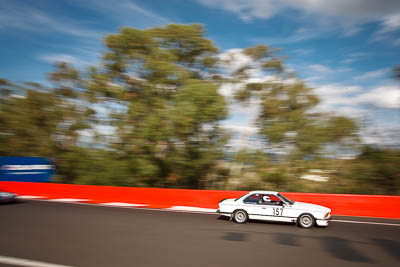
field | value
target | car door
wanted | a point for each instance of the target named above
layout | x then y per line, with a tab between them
274	209
252	205
269	208
282	211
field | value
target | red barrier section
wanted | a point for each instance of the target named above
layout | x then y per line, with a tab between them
341	204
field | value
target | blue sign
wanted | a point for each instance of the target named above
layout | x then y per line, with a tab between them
25	169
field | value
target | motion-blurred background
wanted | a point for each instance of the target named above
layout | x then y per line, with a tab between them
237	95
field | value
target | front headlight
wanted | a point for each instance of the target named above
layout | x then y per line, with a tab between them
326	215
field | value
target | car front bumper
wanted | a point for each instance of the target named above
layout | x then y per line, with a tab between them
323	222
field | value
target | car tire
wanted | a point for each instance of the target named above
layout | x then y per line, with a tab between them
305	220
240	216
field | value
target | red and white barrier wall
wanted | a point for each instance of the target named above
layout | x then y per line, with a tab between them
196	200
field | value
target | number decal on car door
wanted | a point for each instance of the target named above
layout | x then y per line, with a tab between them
277	211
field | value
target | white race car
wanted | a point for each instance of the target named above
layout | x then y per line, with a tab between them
7	197
273	206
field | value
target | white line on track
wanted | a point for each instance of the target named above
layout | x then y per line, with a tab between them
122	204
68	199
195	209
29	197
378	223
27	263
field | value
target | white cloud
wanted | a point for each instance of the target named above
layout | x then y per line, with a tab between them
134	7
372	74
318	72
125	11
320	68
246	9
391	23
303	52
229	89
53	58
355	102
348	60
353	57
240	128
299	35
263	9
382	96
336	89
245	113
346	16
243	135
22	15
27	18
338	98
382	134
350	98
234	59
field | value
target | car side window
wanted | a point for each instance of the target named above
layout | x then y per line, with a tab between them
270	200
253	199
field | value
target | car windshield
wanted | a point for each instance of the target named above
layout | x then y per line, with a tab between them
286	199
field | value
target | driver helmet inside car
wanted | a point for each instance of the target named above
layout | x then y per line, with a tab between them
266	199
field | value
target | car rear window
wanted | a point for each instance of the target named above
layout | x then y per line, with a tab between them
252	199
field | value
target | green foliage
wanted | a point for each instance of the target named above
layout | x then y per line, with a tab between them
254	86
340	127
242	95
287	116
257	52
288	120
173	112
98	167
377	171
278	179
39	123
274	64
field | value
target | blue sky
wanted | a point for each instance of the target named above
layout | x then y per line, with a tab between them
344	49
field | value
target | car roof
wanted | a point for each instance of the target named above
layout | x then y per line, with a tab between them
263	192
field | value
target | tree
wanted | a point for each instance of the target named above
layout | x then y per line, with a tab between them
288	116
377	171
157	92
166	104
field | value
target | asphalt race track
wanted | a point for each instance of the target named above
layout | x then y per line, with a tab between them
85	235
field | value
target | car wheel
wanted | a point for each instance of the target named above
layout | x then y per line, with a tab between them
240	216
306	221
